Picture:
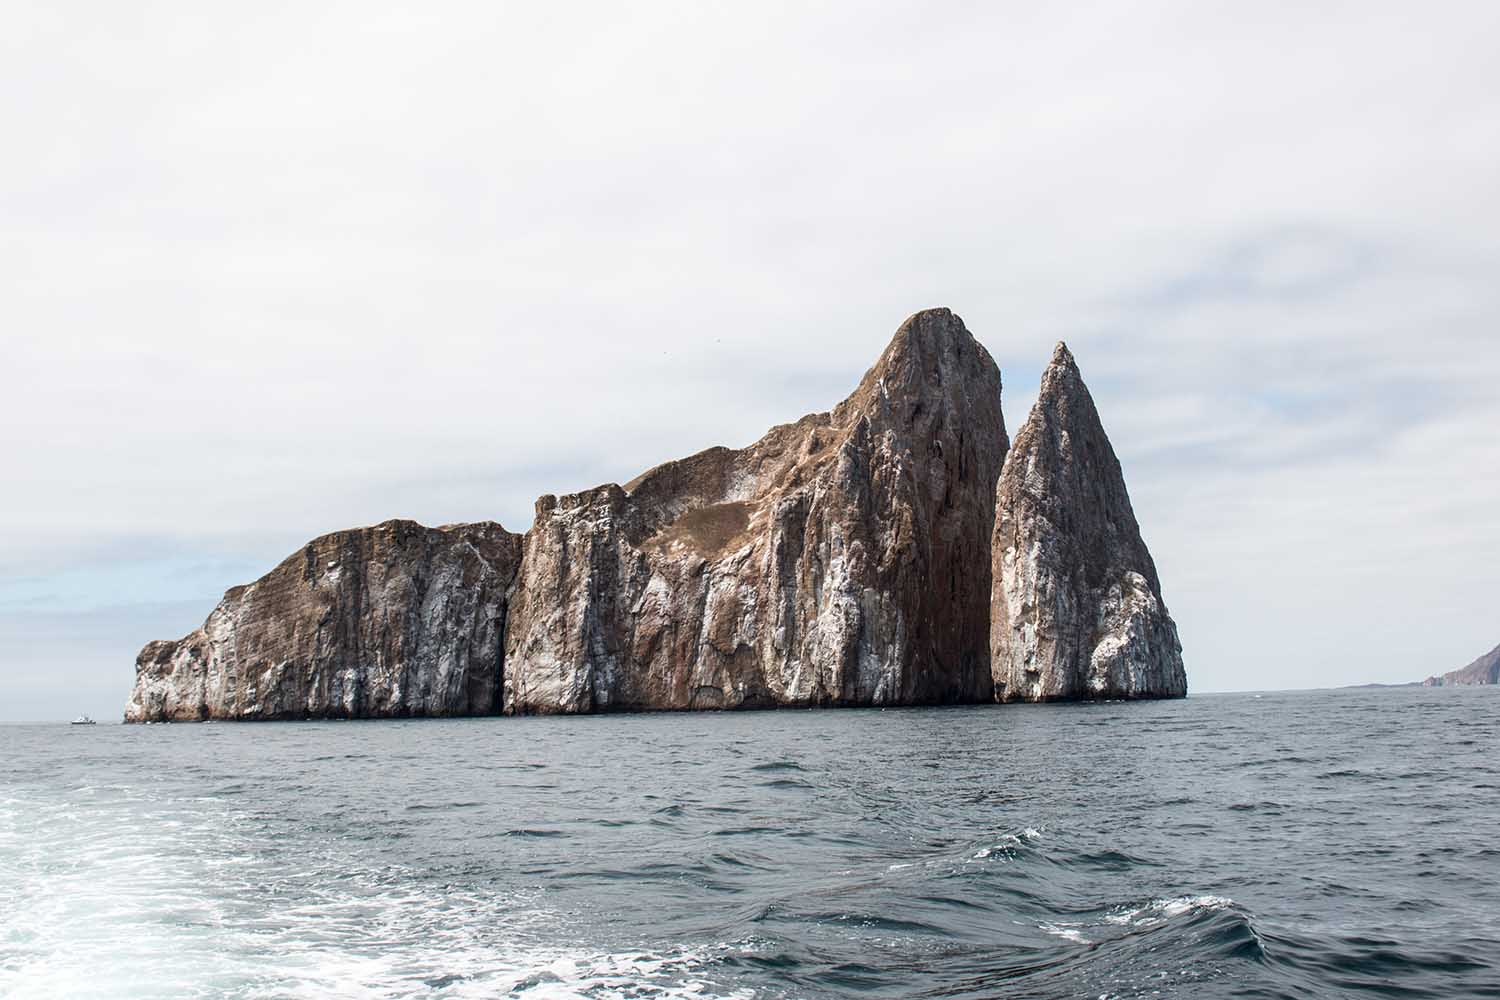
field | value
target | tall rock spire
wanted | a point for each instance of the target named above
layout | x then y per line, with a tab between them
839	560
1077	609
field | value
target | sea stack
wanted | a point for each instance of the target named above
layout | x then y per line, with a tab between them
839	560
854	557
1078	611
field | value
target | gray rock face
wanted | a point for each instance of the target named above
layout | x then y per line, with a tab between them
840	560
393	620
1078	611
1483	671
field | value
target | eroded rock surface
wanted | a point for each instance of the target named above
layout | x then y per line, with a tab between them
393	620
1078	611
839	560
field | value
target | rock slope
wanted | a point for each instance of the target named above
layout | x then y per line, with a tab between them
1078	611
1485	670
844	559
839	560
393	620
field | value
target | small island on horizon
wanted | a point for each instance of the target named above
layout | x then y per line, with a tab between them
1483	672
897	550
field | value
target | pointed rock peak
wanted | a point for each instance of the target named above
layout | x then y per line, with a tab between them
921	333
931	352
939	319
1064	438
1062	374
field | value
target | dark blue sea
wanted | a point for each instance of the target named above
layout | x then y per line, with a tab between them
1313	844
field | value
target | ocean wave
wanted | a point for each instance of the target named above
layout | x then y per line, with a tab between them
1128	918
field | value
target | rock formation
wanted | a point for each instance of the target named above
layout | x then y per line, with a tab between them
1078	611
394	620
839	560
1485	670
844	559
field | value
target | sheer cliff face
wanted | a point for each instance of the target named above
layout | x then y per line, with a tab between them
1078	611
393	620
840	560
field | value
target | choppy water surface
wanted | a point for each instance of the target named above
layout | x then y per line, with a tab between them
1309	844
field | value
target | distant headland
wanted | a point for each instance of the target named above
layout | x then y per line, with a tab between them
1483	671
896	550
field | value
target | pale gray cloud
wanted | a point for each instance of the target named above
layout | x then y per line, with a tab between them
273	270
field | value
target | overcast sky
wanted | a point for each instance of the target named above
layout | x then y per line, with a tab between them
271	270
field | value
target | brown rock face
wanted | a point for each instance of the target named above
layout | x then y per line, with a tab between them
1078	611
840	560
394	620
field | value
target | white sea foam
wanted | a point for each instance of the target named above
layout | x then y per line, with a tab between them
1158	910
1068	932
1007	844
133	897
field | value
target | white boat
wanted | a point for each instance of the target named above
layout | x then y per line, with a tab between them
82	720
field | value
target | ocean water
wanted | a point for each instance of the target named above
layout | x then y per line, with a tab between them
1319	844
